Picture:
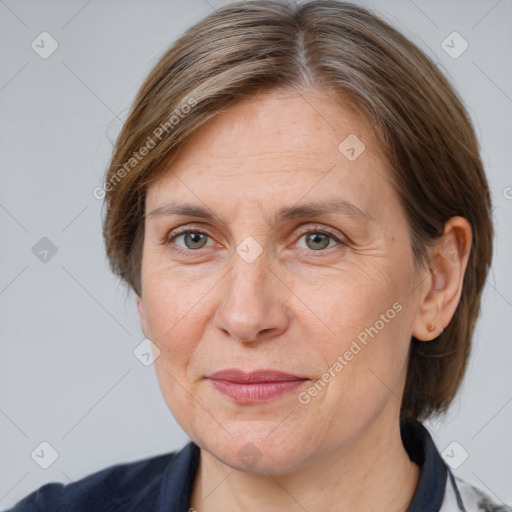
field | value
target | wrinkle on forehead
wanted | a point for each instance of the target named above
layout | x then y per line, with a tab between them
289	140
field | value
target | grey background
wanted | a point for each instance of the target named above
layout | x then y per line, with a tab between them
68	374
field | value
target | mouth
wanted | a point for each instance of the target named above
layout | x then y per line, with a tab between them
254	387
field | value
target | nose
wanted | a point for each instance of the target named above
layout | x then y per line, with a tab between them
254	305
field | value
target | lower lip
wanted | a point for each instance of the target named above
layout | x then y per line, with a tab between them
256	392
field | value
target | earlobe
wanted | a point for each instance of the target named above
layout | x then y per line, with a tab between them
432	328
443	285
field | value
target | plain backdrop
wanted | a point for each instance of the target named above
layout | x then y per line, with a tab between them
68	374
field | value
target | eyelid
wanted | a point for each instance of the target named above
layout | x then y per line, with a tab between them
320	229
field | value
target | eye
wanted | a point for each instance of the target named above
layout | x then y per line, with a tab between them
318	239
192	239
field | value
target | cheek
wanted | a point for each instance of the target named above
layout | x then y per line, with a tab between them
343	303
359	325
170	299
363	376
173	310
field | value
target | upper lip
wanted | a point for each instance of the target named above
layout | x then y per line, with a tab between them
239	376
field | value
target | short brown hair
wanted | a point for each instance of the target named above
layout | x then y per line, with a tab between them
425	131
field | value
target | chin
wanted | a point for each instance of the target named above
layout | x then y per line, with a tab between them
253	452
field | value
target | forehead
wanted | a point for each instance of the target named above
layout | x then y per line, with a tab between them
280	145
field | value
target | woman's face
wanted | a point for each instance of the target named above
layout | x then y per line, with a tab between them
329	297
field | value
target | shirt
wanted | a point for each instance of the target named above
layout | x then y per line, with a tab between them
164	484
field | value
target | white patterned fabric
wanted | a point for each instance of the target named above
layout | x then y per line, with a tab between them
462	496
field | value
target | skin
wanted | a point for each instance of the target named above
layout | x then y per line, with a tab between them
295	308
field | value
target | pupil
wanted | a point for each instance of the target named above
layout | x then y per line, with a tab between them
314	238
195	238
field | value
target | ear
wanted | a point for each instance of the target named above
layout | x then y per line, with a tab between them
142	315
441	290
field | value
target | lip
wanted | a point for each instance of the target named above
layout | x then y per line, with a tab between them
254	387
259	376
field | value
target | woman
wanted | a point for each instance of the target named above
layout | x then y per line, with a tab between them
298	201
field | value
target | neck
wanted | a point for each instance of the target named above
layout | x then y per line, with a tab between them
372	472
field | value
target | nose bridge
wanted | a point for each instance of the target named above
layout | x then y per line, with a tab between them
252	307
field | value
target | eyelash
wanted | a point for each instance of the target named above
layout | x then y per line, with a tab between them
168	239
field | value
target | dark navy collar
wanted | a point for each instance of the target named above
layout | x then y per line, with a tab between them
421	449
179	476
176	489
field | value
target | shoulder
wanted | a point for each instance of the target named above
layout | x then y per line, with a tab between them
475	499
117	487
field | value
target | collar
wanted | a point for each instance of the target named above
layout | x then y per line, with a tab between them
178	480
421	449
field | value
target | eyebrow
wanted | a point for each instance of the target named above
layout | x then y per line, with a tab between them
303	210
